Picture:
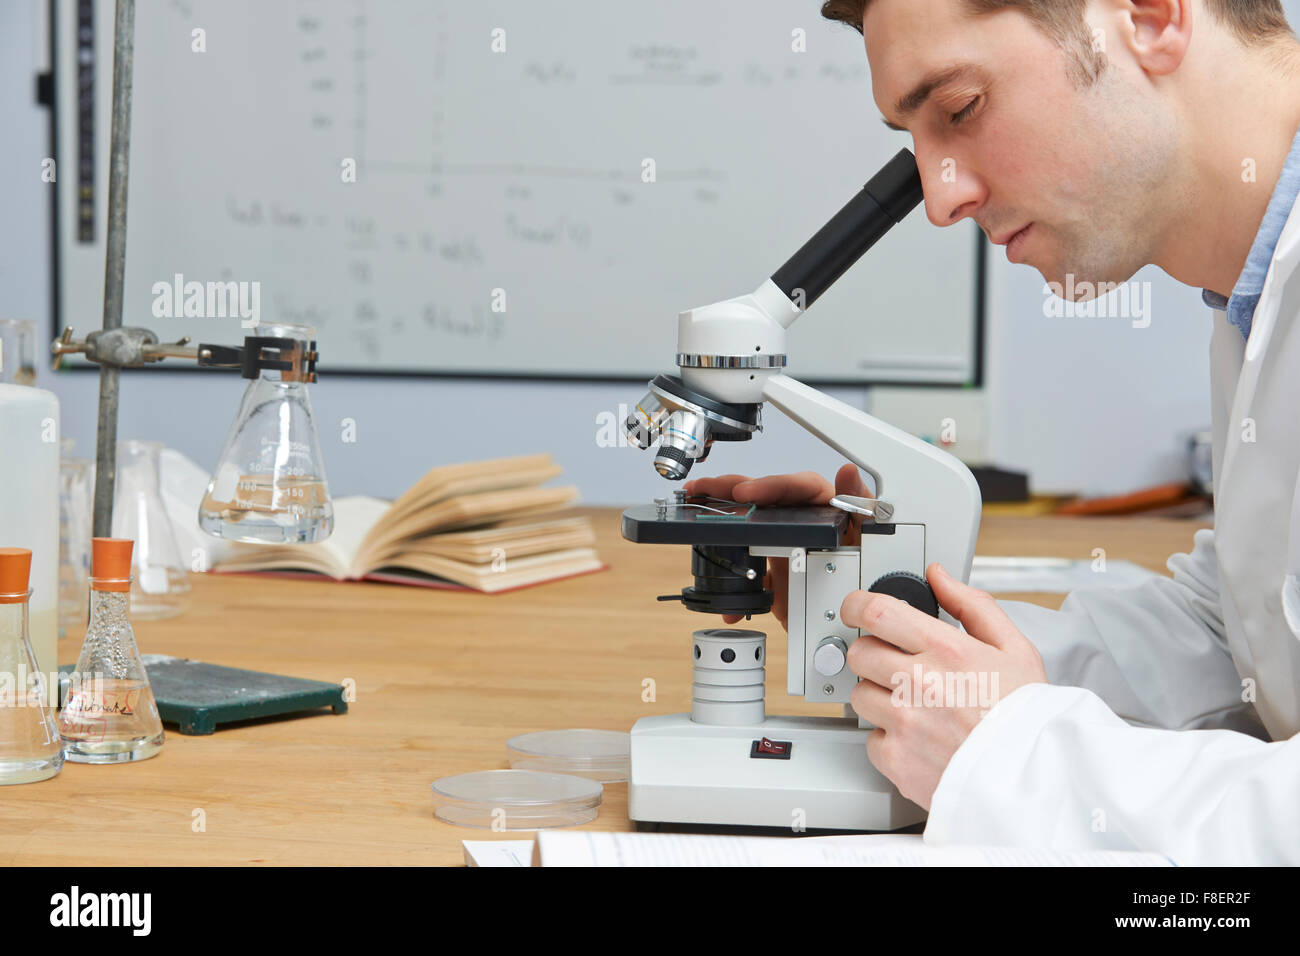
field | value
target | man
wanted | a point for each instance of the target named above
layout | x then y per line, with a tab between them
1092	138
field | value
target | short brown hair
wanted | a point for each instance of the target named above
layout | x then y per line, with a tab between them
1251	21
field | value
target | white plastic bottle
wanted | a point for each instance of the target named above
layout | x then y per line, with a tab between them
29	504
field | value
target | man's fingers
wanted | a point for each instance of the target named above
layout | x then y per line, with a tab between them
977	610
719	486
805	488
873	704
892	620
879	662
848	481
876	751
777	581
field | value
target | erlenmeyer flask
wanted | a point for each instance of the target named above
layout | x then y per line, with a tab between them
269	484
30	748
160	586
110	715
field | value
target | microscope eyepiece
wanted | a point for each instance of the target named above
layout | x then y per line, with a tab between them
880	205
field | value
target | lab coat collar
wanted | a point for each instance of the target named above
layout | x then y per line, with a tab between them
1246	293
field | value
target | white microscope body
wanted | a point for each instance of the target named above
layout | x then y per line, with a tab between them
728	762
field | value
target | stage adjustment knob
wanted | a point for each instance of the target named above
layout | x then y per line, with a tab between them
908	587
828	659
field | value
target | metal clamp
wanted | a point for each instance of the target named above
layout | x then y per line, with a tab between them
872	508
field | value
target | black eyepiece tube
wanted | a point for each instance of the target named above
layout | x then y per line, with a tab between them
883	202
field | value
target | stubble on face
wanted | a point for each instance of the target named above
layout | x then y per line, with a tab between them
1118	194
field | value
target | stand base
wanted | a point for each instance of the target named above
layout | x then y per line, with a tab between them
684	772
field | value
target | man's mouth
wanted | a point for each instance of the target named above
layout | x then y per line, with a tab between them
1015	242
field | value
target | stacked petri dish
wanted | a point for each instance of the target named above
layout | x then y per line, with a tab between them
515	800
600	755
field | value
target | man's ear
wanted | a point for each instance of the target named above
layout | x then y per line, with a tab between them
1157	32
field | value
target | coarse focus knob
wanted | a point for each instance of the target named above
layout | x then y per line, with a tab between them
908	587
828	659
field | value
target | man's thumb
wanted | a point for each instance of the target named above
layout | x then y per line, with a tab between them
848	481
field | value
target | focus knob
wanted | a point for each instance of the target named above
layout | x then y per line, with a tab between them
908	587
829	658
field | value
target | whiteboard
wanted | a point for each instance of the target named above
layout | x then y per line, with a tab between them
541	209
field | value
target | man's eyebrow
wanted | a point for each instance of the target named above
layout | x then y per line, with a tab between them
914	100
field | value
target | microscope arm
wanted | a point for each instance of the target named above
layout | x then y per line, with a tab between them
926	486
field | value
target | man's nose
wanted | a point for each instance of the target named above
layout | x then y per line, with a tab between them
953	190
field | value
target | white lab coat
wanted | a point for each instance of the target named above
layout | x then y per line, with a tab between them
1152	747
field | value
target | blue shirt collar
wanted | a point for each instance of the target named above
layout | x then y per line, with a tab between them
1250	284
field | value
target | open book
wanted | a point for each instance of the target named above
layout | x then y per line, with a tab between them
483	525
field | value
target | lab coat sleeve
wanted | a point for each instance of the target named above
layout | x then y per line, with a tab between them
1054	767
1155	653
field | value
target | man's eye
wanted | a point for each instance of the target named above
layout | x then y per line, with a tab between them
964	113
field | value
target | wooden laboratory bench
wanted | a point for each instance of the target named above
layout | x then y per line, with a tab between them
442	680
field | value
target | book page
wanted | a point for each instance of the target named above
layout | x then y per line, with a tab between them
483	547
449	481
465	511
514	573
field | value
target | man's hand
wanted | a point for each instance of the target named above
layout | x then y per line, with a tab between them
926	684
805	488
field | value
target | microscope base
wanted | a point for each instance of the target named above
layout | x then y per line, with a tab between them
684	772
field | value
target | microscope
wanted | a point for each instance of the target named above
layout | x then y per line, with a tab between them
728	762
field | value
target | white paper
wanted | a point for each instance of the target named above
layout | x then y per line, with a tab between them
498	852
584	848
1053	575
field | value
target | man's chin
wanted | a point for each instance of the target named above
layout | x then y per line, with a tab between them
1078	288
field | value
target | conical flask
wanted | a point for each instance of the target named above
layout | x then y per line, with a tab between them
110	715
269	484
160	585
30	749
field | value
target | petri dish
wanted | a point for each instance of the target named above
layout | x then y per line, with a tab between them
600	755
515	800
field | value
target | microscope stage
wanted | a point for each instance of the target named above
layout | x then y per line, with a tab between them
807	526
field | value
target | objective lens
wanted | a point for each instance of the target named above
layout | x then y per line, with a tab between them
684	440
643	422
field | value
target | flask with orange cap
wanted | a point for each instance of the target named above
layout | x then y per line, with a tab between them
30	749
110	715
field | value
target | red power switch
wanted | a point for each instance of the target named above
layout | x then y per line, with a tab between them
772	749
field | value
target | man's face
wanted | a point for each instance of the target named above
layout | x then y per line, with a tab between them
1011	137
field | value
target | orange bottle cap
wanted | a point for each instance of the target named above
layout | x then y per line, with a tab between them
110	564
15	573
